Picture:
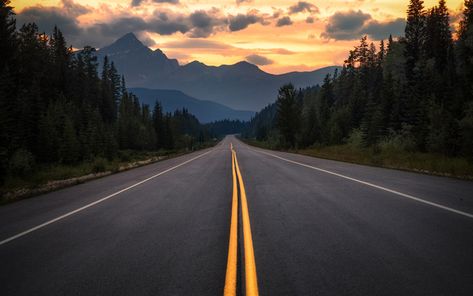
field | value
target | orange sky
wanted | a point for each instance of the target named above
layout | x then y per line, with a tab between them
300	46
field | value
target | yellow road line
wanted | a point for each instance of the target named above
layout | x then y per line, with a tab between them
250	265
231	275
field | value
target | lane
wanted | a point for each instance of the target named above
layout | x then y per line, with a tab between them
168	236
318	234
446	191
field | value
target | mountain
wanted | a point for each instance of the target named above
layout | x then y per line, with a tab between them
241	86
205	111
140	65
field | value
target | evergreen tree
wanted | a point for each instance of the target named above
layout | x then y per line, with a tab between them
158	124
288	114
414	36
465	51
107	106
325	101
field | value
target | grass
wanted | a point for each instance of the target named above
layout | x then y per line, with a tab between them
428	163
47	178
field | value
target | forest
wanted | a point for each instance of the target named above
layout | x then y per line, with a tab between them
56	108
412	93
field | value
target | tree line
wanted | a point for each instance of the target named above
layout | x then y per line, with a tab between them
415	92
55	106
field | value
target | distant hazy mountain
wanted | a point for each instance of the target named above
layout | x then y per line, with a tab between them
241	86
205	111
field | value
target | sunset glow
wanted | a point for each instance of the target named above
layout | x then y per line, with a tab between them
279	36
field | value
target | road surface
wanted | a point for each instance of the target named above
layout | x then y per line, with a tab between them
318	227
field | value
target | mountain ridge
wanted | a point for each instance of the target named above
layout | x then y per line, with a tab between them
206	111
241	86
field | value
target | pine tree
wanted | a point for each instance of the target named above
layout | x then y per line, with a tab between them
158	124
69	148
325	101
61	59
465	51
107	106
414	36
414	104
115	84
287	114
8	89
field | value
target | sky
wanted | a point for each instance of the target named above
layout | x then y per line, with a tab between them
277	35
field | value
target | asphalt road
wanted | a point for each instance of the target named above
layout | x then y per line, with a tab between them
319	227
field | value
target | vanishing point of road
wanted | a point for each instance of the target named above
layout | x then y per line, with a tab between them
239	220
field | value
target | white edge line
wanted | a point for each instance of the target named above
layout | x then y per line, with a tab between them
97	201
372	185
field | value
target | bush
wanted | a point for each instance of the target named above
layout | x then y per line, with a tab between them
355	140
21	163
99	165
124	155
402	141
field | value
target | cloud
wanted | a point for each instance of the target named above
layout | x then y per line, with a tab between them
238	2
135	3
259	60
351	25
196	43
280	51
381	30
167	1
198	24
310	20
284	21
242	21
303	6
163	21
345	25
205	23
145	39
64	17
74	9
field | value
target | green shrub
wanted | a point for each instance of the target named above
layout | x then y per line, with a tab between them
99	165
355	140
124	155
21	163
402	141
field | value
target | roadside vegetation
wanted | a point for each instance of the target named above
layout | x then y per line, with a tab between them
36	179
407	103
387	154
62	116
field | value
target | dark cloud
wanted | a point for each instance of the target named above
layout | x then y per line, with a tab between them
351	25
238	2
205	23
303	6
48	17
284	21
167	1
310	20
259	60
345	25
242	21
135	3
381	30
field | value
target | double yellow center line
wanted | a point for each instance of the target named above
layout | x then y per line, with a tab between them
251	281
